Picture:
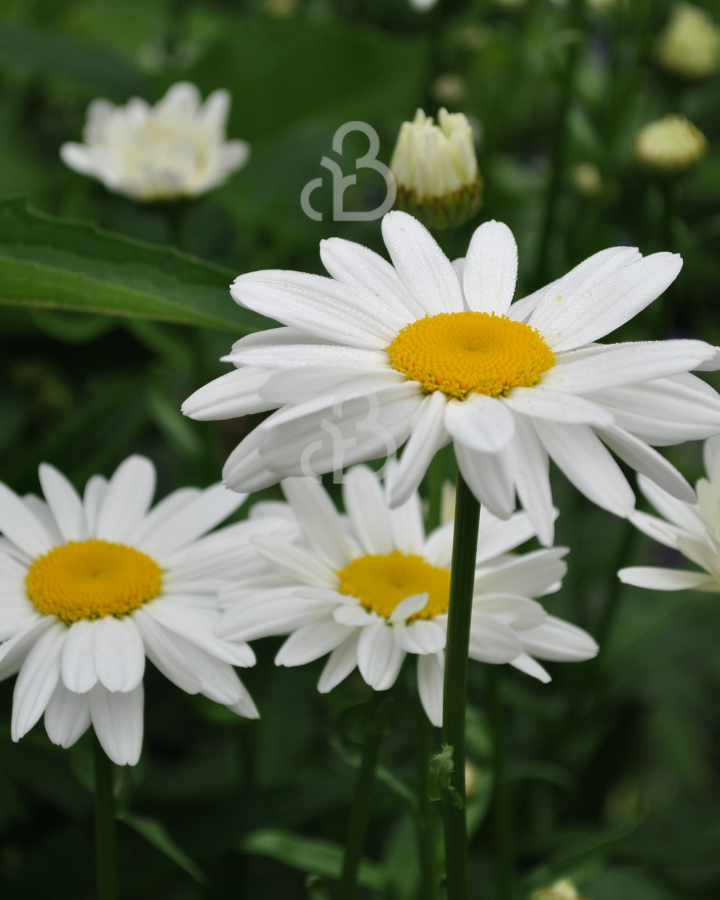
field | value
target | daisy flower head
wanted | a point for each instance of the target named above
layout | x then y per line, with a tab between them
371	588
692	528
92	586
174	149
424	352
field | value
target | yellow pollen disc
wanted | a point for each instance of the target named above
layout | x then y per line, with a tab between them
92	579
381	582
470	352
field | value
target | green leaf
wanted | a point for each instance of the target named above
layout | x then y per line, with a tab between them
314	855
65	265
156	833
441	768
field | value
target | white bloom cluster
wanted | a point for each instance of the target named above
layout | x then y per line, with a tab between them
172	150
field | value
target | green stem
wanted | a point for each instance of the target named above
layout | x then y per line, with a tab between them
106	865
436	480
462	579
362	802
560	142
425	815
502	806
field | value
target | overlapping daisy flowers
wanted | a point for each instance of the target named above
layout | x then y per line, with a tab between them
413	354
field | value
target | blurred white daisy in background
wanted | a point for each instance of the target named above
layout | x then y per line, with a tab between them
90	587
431	352
691	528
370	588
172	150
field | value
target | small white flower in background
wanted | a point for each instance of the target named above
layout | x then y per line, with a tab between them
422	5
693	528
560	890
690	44
672	144
91	587
172	150
374	588
436	169
431	352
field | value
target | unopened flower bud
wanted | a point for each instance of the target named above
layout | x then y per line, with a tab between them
436	170
671	144
587	179
690	44
560	890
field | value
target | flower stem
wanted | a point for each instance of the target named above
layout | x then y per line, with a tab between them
362	800
425	815
106	866
436	480
467	521
502	807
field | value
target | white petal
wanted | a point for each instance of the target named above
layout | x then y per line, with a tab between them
529	463
164	654
311	643
492	641
340	663
128	498
489	478
711	452
301	565
364	270
354	616
316	305
427	436
277	614
379	656
365	503
64	502
490	269
542	403
118	653
200	515
601	368
319	520
310	356
684	515
14	651
603	304
430	674
163	512
245	706
118	722
647	461
558	640
420	637
481	423
655	528
667	579
408	607
288	387
95	491
406	520
438	547
530	575
581	456
77	665
516	611
67	716
531	667
234	394
426	271
21	526
197	627
37	680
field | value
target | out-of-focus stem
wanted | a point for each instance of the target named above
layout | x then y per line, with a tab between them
106	865
502	806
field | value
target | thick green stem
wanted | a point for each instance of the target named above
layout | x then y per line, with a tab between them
560	142
362	802
425	815
467	521
502	806
106	865
436	480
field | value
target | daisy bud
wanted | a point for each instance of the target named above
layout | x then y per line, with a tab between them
671	144
690	45
561	890
436	170
587	179
174	149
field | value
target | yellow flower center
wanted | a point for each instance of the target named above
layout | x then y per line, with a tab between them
462	353
92	579
381	582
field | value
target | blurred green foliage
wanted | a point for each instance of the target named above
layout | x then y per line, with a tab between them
616	775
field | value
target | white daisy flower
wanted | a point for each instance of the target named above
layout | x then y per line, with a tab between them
429	352
691	528
370	590
176	148
91	587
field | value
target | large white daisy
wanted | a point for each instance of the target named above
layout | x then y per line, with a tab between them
91	587
691	528
429	352
372	588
